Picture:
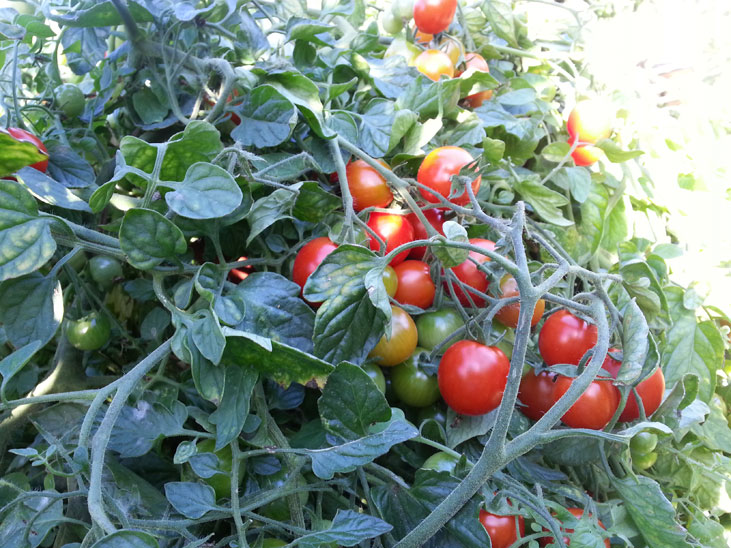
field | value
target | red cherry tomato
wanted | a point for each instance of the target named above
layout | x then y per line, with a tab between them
536	393
395	230
564	338
590	121
238	275
577	513
474	62
434	16
508	315
651	391
27	137
585	155
437	169
470	275
502	529
432	63
401	344
415	286
366	185
594	408
472	377
435	218
309	258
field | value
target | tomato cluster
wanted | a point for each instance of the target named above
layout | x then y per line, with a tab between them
589	122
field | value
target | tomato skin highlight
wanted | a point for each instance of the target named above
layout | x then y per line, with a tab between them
434	63
468	273
395	230
508	315
434	327
474	62
412	385
650	390
434	16
436	218
594	408
366	185
436	170
309	258
501	529
415	286
564	338
392	351
536	393
27	137
472	377
577	513
590	121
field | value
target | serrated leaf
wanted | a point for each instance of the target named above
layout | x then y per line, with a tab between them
545	201
207	192
376	121
148	238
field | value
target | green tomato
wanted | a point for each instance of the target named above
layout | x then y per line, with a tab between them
279	509
441	462
412	385
391	24
390	280
105	270
90	332
643	462
221	482
272	543
403	9
434	327
643	443
375	373
70	99
78	261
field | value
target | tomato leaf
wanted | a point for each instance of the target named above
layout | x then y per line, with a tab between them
545	202
313	203
303	93
635	343
32	309
17	154
49	191
207	192
12	364
102	14
266	211
231	414
452	256
461	428
267	118
148	238
193	500
575	179
375	126
140	426
348	529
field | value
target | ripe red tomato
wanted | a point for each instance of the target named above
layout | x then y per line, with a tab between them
651	391
434	16
577	513
472	377
436	219
415	286
395	230
585	155
594	408
590	121
508	315
536	393
432	63
469	274
474	62
437	169
366	185
402	342
27	137
502	529
309	258
564	338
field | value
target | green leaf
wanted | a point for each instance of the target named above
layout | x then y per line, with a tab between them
347	325
306	29
193	500
68	168
476	82
460	428
313	203
207	280
603	219
12	364
267	118
148	238
377	291
102	14
714	432
493	150
207	192
207	336
49	191
348	529
545	202
651	511
635	343
556	152
575	179
44	513
375	126
467	130
25	238
452	256
32	309
149	107
268	210
403	121
423	96
500	15
231	414
351	403
17	154
139	427
102	196
303	93
615	154
127	539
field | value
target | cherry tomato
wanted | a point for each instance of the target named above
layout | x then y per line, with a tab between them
437	169
423	38
536	393
90	332
434	327
564	338
651	391
472	377
436	219
590	121
70	99
27	137
577	513
594	408
309	258
643	462
474	62
221	482
366	185
585	155
412	385
238	275
453	48
395	230
390	280
468	273
643	443
403	9
432	63
391	24
415	286
402	342
105	270
502	530
375	373
434	16
441	462
508	315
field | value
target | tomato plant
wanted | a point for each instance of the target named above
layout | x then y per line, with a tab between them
90	332
412	385
434	64
594	408
651	391
536	393
435	327
26	136
70	99
503	530
415	286
472	377
474	62
565	338
434	16
469	274
394	230
643	443
399	344
440	462
436	172
590	121
577	513
221	481
367	187
436	219
508	315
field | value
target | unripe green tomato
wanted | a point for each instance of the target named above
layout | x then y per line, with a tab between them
272	543
643	443
70	99
403	9
412	385
104	270
78	261
390	23
441	462
390	280
434	327
643	462
375	373
90	332
279	509
221	483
